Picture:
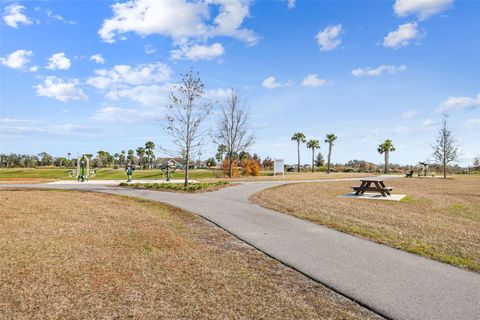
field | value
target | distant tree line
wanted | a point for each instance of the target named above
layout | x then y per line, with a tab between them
445	152
144	157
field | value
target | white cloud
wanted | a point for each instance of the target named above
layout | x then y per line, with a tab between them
312	80
370	72
329	38
69	129
58	61
152	96
182	20
291	4
53	87
402	36
33	69
459	104
198	52
149	49
14	16
17	59
410	114
218	94
25	127
421	8
98	58
271	83
472	123
113	114
426	125
12	121
58	17
125	75
146	84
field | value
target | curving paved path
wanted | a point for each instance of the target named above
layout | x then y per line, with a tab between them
393	283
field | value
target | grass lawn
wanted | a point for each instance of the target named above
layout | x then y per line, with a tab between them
178	187
102	174
70	254
32	175
439	219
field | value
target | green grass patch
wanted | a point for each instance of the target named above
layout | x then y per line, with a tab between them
102	174
463	211
179	187
406	199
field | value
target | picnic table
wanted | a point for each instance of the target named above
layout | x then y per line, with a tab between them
373	184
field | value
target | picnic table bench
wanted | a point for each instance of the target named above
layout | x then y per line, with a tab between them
378	186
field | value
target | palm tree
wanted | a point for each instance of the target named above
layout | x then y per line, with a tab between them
68	158
149	146
313	144
299	137
122	157
102	156
385	148
330	139
115	158
141	154
131	156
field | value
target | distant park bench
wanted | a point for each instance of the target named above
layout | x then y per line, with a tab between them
372	184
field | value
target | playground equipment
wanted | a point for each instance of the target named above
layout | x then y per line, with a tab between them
129	168
423	171
82	173
168	169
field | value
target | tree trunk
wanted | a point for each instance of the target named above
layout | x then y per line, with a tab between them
186	170
298	154
444	155
313	160
386	162
329	154
230	167
444	168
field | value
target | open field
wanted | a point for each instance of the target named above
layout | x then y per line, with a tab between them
89	255
19	175
102	174
439	219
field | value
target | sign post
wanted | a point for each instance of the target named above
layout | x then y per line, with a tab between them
278	167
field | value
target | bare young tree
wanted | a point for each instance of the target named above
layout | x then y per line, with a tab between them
187	112
232	131
445	149
476	163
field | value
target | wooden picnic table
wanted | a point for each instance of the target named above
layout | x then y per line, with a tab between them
378	186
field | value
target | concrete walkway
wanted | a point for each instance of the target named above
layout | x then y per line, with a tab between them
393	283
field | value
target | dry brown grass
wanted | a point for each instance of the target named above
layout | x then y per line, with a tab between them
75	255
439	219
24	180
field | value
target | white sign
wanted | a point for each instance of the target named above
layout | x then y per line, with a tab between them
278	167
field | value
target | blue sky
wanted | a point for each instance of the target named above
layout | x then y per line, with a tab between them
83	76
